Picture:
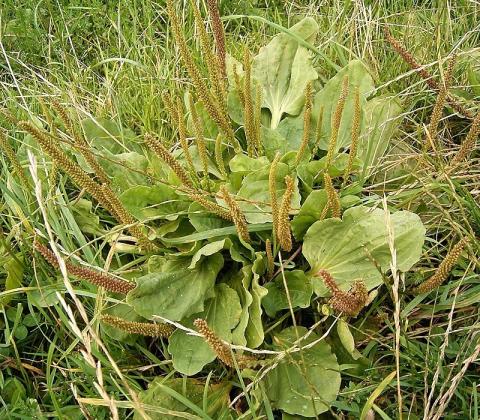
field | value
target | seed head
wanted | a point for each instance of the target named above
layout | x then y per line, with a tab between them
272	186
332	195
107	281
211	206
336	121
350	303
306	123
443	270
270	260
162	152
80	143
79	176
221	349
200	139
355	134
284	234
237	215
219	155
218	34
248	111
468	145
142	328
12	157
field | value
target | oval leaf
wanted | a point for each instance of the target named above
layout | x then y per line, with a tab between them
353	247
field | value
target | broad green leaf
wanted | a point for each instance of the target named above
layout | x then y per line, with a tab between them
327	98
45	293
222	313
241	283
254	332
283	69
105	134
381	121
255	189
13	390
20	332
160	403
244	164
312	209
299	291
190	353
274	142
345	248
175	292
309	213
304	383
285	138
215	233
14	269
249	331
126	169
216	247
197	162
345	336
312	172
88	221
156	202
202	220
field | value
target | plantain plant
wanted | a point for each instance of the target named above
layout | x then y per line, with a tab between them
252	233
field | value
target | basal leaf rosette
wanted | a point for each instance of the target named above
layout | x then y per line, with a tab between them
357	246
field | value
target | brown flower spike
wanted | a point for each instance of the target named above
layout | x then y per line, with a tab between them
248	110
49	146
211	206
162	152
12	157
272	187
350	303
270	259
218	33
354	135
237	214
333	199
209	100
336	121
222	350
468	145
97	278
80	142
306	123
142	328
284	234
443	270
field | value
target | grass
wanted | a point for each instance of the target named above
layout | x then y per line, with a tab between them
114	60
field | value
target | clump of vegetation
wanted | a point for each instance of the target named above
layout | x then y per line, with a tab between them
252	241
